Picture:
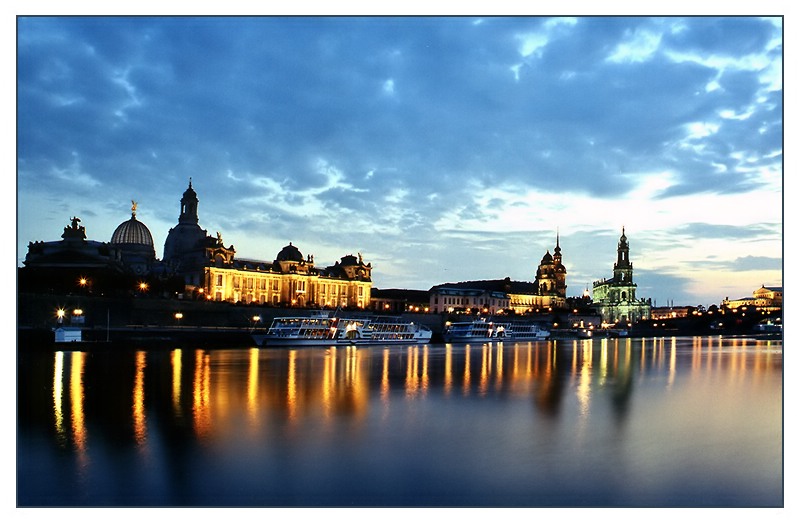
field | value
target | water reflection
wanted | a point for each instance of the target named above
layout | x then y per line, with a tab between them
299	383
648	420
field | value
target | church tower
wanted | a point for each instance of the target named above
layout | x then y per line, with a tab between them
184	249
559	271
623	268
189	206
551	279
614	298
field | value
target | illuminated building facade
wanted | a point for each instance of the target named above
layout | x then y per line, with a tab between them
768	298
198	264
614	298
458	298
210	269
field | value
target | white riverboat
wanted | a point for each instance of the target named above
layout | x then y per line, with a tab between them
324	330
481	330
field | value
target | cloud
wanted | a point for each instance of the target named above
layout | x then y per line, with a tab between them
382	129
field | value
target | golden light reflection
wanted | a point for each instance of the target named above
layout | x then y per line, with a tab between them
385	387
603	362
175	360
291	386
139	421
351	366
486	358
201	395
425	378
252	386
76	392
448	369
328	381
673	358
499	366
58	393
412	371
584	388
467	376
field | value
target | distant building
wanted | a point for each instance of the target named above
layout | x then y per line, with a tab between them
614	298
397	301
74	251
665	313
547	292
468	296
768	298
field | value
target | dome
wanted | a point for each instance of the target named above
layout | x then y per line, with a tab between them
132	231
290	253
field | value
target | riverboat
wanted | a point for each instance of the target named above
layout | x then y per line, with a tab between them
481	330
323	330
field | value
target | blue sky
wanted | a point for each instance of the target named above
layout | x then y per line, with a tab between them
442	148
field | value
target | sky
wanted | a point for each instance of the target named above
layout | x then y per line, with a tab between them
443	149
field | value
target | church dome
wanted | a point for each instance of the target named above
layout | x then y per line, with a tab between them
290	253
132	231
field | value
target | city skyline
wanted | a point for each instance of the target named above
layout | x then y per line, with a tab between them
422	143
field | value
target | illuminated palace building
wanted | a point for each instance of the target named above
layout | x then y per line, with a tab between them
209	267
203	266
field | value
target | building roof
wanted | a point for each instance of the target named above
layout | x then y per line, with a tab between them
506	285
401	294
290	253
132	231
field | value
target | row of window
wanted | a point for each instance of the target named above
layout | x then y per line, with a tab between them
466	301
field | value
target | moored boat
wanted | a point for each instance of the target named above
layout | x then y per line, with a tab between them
326	330
481	330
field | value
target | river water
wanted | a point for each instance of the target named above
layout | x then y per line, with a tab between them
658	422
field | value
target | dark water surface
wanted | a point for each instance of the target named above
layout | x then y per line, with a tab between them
690	422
